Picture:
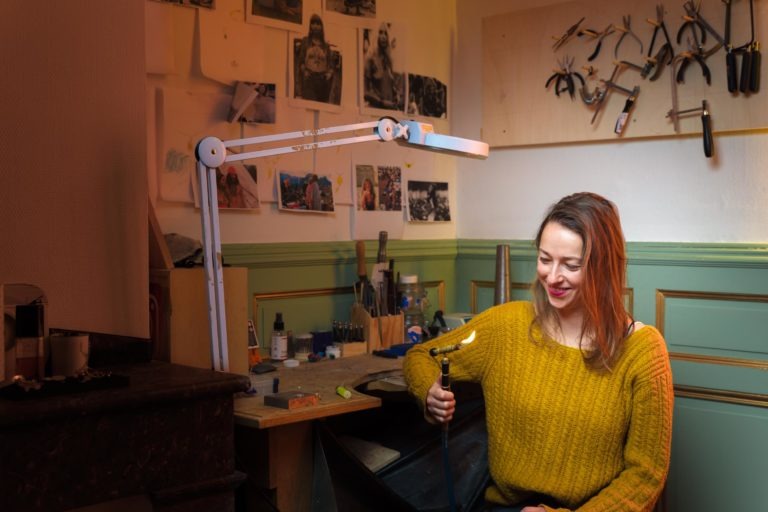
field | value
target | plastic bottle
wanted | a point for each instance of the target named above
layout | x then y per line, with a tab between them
412	303
279	347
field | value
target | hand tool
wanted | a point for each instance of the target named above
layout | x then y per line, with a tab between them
666	51
565	74
599	36
445	383
730	56
627	30
566	35
365	293
691	23
750	58
599	96
674	114
377	274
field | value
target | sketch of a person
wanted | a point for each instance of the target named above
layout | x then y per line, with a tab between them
367	195
314	61
382	87
312	196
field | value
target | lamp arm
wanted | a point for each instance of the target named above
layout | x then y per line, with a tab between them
211	153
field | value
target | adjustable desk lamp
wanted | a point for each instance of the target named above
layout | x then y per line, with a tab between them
211	153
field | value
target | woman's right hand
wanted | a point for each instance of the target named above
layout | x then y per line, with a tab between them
440	403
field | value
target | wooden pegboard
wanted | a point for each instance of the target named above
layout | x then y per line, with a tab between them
518	57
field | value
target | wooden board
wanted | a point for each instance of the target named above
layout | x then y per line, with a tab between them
518	58
322	378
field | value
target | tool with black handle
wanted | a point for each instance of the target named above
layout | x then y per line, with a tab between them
730	56
624	116
706	126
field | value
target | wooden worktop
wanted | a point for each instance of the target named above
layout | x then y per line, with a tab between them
321	377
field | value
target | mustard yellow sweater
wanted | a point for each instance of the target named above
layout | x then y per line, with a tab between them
593	440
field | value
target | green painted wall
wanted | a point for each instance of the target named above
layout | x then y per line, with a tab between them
709	300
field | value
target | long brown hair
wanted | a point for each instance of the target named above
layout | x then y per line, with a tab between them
596	220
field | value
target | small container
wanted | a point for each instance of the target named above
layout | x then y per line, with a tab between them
30	341
279	346
303	346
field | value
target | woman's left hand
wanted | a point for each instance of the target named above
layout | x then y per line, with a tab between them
534	509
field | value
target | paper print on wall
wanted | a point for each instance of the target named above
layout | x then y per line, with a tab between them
285	14
206	4
365	187
382	69
389	188
253	102
315	68
428	201
305	192
236	185
427	96
349	12
185	117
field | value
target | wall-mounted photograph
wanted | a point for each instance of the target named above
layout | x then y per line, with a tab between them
206	4
285	14
365	180
428	201
236	187
382	69
305	192
315	68
427	96
350	9
253	102
390	188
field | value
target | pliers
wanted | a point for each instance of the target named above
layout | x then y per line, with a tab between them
626	30
599	36
692	22
566	35
697	54
665	53
565	74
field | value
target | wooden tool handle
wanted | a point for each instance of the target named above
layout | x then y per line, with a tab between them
382	256
360	249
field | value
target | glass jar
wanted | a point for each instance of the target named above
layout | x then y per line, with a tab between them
413	300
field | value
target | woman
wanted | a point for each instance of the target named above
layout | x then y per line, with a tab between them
578	396
367	195
382	87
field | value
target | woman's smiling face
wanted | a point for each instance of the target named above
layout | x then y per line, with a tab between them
559	266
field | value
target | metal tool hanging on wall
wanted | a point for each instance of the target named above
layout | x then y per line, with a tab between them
563	77
749	77
597	98
666	53
675	114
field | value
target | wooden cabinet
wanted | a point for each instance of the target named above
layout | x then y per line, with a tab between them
179	321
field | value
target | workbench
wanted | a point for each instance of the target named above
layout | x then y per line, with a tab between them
275	446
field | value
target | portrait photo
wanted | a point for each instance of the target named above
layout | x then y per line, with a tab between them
365	9
382	68
305	192
237	186
365	185
315	68
427	96
389	188
428	201
285	14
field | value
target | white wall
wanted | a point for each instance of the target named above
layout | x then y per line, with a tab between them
666	189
